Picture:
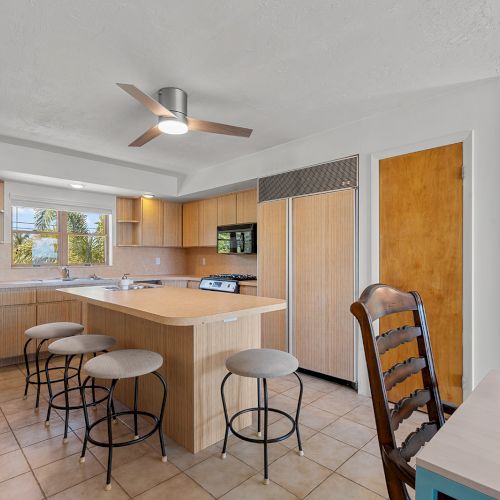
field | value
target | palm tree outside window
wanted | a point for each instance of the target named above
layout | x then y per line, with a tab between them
49	237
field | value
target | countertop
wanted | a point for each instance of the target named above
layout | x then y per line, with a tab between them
176	306
103	281
465	449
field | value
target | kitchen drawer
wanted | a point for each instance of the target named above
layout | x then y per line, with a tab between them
51	295
13	296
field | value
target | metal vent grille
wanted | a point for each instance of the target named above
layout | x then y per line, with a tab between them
338	174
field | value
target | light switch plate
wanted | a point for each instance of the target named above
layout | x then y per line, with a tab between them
157	261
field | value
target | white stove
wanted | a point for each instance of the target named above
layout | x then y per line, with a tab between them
224	282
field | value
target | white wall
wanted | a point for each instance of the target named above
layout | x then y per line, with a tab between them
475	108
52	167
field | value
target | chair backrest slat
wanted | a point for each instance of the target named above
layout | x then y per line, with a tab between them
394	338
408	405
417	439
401	371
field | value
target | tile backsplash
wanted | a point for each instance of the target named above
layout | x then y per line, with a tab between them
125	260
217	263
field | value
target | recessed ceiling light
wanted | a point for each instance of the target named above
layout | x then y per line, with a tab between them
77	186
148	195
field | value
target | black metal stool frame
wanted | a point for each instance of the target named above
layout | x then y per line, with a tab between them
112	415
39	382
67	407
266	440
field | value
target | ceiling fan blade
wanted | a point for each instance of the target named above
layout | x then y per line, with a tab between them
146	137
146	100
217	128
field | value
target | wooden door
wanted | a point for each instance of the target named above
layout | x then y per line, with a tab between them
190	223
172	224
421	249
152	223
246	206
272	268
323	282
207	236
226	209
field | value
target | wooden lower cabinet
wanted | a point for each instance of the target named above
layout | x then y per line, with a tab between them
14	321
248	290
59	311
22	308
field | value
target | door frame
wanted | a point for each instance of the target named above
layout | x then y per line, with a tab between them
467	138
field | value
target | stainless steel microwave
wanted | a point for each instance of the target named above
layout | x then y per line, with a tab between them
237	239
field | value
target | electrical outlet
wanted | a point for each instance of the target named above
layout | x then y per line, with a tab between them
157	261
203	261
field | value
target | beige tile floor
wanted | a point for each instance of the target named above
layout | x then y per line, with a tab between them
341	459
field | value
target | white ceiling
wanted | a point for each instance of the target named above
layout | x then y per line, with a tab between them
287	68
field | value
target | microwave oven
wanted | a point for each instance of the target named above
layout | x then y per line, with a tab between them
237	239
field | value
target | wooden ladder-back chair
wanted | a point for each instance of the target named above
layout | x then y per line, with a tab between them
376	302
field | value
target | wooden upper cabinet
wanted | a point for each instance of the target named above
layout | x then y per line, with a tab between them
172	224
226	209
207	229
190	223
151	222
246	206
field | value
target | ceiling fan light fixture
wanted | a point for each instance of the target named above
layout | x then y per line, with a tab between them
173	126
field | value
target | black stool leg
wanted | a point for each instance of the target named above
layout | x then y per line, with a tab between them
266	415
258	406
226	416
86	415
301	451
160	420
49	387
38	381
79	373
27	365
93	390
110	414
66	397
136	397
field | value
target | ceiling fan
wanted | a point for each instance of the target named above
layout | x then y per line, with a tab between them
171	110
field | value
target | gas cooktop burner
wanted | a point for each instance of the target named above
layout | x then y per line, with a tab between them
235	277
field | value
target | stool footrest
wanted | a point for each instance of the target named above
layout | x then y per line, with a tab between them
80	406
105	444
42	372
261	441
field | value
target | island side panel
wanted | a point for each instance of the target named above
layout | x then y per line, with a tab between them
213	344
175	344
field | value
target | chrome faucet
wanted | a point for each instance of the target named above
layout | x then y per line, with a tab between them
65	273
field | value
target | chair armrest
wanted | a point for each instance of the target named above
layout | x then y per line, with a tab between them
448	408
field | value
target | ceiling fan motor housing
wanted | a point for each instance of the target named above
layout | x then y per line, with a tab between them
173	99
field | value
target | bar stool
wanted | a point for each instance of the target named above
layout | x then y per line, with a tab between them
42	334
114	366
69	347
262	364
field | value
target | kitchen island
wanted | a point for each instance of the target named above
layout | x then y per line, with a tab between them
195	331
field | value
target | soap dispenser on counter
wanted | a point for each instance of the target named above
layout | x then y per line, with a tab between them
125	282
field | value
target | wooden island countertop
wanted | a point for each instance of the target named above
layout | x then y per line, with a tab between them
195	331
176	306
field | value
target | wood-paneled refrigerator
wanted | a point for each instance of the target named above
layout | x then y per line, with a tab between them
307	255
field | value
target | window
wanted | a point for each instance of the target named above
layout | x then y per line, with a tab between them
50	237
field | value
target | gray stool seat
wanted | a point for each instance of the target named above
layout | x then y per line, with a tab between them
81	344
262	363
123	364
56	330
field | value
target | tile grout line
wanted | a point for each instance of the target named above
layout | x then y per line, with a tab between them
24	455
